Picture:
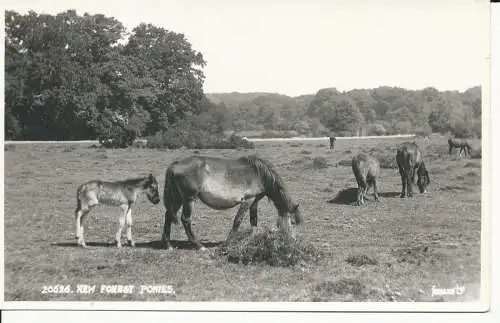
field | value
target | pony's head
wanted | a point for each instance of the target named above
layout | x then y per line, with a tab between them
151	189
423	179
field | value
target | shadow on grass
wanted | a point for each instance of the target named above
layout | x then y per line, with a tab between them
349	196
157	244
177	244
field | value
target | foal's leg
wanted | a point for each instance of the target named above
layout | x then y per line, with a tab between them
130	241
238	218
79	215
121	223
187	209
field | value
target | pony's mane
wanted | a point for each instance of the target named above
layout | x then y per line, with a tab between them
273	183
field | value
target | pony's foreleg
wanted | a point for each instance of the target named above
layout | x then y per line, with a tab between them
403	183
187	209
375	191
130	241
239	217
121	223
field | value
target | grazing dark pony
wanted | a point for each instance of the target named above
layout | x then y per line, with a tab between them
366	169
120	193
332	142
463	144
223	184
410	163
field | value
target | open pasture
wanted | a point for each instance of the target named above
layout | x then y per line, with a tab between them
394	250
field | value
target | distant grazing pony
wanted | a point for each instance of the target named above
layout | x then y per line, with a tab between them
120	193
463	144
222	184
366	169
332	142
410	163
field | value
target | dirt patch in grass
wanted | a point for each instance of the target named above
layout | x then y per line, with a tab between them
346	289
320	162
472	165
418	255
272	247
361	260
456	188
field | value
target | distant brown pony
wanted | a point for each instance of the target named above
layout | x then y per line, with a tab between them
366	169
410	163
332	142
463	144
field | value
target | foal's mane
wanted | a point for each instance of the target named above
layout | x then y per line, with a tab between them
274	185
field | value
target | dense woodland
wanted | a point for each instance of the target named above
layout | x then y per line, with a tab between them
70	76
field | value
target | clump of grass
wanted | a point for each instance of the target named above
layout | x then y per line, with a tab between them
456	188
68	149
360	260
295	144
476	153
347	288
320	145
320	162
472	165
305	152
418	254
345	162
273	247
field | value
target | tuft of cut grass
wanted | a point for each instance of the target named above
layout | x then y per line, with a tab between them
273	247
360	260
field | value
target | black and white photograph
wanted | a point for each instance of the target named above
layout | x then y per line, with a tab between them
246	155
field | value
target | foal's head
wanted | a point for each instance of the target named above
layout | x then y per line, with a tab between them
151	189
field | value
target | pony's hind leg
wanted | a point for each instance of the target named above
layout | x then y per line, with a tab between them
130	241
187	209
79	214
239	217
170	214
121	223
375	191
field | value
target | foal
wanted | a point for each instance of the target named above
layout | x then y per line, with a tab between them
366	169
119	193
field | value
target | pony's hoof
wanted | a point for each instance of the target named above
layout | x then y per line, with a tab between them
402	196
131	243
118	245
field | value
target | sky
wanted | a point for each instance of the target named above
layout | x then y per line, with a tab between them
297	47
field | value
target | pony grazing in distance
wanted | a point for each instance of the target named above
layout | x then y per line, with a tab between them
410	163
223	184
119	193
366	169
463	144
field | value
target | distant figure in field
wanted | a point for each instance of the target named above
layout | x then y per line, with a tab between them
410	163
463	144
366	169
332	142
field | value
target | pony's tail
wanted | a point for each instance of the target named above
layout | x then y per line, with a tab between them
171	195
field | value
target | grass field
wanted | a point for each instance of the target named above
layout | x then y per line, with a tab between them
428	240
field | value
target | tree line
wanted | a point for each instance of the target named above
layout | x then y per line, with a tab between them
71	77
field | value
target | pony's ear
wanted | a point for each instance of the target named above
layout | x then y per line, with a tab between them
150	177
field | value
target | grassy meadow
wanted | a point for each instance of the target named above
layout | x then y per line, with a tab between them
413	244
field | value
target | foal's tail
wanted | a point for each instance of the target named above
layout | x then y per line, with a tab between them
171	195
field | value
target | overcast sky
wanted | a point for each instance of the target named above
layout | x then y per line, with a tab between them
298	46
